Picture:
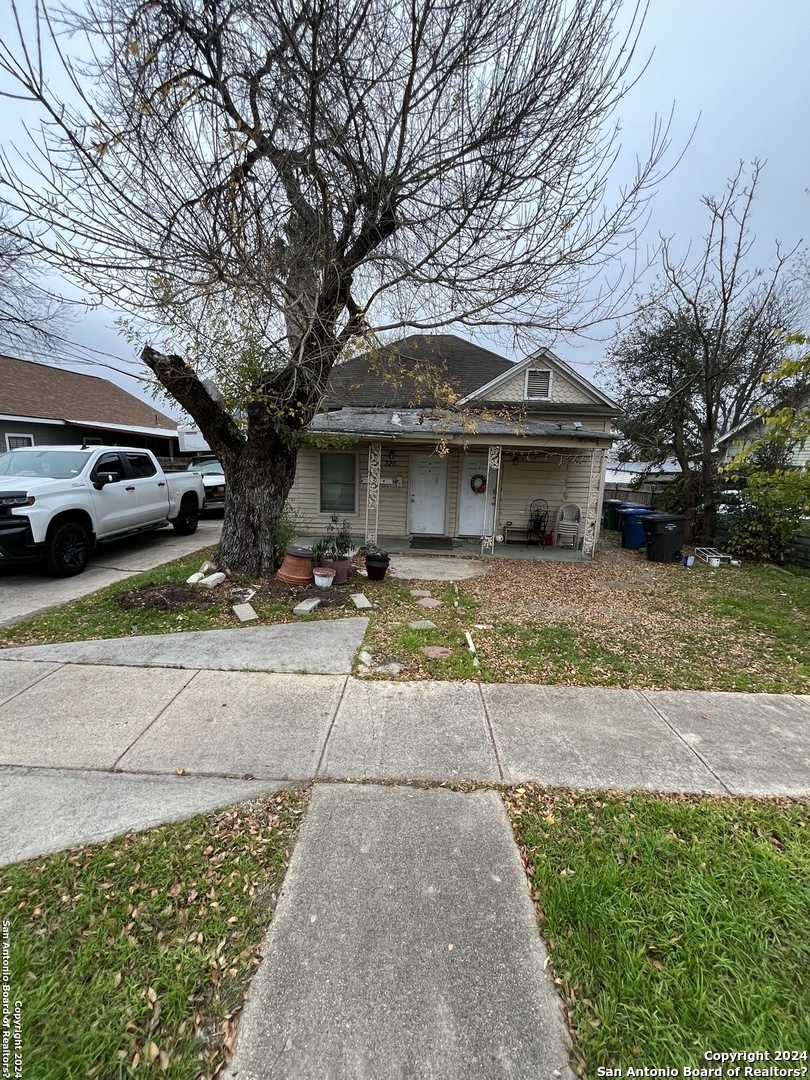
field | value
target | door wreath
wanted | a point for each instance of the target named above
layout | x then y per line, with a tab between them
479	484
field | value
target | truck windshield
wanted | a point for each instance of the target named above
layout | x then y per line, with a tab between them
52	464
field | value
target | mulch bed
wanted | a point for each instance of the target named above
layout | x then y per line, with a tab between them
174	596
165	596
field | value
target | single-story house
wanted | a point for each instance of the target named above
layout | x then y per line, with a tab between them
434	436
731	444
44	405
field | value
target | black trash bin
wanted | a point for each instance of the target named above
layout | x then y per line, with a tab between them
664	536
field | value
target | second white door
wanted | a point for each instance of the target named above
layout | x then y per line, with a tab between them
475	499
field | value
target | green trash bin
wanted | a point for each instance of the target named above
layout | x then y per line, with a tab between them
610	514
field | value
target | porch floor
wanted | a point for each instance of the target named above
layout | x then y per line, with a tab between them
470	548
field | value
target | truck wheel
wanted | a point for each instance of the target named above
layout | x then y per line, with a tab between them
186	521
67	549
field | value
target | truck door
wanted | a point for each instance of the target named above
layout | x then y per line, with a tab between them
150	487
117	502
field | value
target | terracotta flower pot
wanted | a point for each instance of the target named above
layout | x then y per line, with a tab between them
296	569
324	576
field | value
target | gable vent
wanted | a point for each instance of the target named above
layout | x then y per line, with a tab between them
538	385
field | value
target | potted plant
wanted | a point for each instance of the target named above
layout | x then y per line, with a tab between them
336	548
377	562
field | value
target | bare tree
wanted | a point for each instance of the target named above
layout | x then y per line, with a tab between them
336	169
30	316
690	369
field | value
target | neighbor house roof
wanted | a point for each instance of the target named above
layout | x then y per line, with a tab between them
432	424
405	374
45	392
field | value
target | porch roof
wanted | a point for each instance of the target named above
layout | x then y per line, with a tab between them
434	423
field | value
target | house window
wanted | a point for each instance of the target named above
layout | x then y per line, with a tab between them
538	385
14	441
338	483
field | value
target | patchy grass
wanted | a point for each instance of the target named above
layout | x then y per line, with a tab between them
618	621
621	621
675	925
133	958
123	610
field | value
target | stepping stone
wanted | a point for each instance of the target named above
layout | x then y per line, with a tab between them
306	607
419	592
436	652
428	602
404	943
393	668
423	624
244	612
362	602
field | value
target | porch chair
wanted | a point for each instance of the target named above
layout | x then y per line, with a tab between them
538	521
568	526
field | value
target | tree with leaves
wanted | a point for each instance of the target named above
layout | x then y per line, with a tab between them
690	368
326	172
767	483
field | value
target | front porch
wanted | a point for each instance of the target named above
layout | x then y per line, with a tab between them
464	547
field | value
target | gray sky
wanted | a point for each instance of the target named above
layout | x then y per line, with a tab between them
737	68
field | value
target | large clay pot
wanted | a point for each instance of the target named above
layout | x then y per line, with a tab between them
296	569
341	568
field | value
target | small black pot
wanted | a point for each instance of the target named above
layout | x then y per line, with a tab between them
376	567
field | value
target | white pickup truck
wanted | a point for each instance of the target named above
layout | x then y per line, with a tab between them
58	502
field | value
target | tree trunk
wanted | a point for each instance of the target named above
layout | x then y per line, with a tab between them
258	481
708	521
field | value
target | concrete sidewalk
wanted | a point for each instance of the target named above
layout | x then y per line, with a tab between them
404	945
404	942
281	728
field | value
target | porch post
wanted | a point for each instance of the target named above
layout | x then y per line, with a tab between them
373	491
594	482
493	476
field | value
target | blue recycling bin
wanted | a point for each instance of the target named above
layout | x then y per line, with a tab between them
632	530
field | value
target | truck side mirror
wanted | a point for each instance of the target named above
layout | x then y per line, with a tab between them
102	479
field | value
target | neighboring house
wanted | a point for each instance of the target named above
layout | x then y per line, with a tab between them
737	440
402	463
44	405
651	476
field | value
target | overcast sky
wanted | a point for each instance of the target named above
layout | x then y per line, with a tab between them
738	69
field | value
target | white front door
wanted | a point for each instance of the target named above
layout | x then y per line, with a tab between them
473	502
428	493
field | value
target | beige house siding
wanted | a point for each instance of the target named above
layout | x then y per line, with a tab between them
558	479
305	495
555	481
562	390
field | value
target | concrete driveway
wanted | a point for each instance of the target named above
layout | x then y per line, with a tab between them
26	590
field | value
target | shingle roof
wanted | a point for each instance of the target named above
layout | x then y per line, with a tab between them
54	393
391	378
435	424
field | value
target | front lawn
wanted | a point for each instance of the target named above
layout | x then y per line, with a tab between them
132	958
676	926
617	621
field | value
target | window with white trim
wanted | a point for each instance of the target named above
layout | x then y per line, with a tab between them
15	441
538	384
338	483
